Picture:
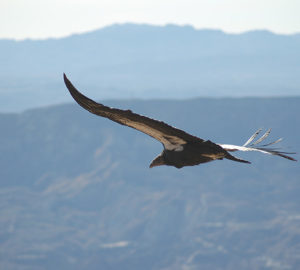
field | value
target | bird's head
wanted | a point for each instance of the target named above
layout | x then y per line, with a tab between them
158	161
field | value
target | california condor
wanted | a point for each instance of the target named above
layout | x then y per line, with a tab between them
180	148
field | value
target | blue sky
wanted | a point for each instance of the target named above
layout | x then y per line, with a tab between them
21	19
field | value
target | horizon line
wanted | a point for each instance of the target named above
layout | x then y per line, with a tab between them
50	37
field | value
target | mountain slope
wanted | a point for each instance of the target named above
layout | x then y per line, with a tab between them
76	190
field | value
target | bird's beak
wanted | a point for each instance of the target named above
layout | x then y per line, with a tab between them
158	161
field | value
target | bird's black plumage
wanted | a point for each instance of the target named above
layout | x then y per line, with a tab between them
180	148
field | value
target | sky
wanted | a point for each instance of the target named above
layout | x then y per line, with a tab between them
40	19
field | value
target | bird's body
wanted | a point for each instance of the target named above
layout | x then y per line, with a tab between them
194	153
180	148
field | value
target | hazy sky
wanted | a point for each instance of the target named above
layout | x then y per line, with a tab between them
55	18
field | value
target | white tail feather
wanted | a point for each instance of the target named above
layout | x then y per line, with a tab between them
252	137
262	149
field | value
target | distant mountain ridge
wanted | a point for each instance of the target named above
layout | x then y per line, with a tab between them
144	61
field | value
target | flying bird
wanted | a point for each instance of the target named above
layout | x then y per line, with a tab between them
180	148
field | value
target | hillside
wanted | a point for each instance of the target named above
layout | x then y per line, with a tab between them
77	193
144	61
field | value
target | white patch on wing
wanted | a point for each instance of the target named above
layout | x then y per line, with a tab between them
173	143
179	148
173	147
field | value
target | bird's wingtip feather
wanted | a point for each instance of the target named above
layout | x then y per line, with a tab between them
65	77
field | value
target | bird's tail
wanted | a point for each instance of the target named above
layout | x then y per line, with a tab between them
251	145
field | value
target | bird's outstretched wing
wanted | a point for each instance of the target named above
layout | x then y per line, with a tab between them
171	137
249	145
